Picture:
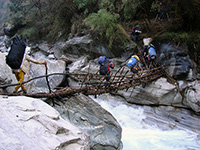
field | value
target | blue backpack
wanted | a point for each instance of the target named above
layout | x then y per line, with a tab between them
132	62
102	60
152	52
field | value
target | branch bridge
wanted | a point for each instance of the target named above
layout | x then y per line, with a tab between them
94	84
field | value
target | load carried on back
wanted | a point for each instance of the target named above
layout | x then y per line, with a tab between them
103	61
18	61
105	65
16	53
134	64
149	51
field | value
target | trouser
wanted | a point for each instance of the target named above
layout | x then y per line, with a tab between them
135	39
20	78
107	79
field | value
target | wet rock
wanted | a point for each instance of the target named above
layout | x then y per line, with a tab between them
192	95
159	92
180	66
169	118
89	116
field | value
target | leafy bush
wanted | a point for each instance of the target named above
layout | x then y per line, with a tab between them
86	6
105	23
30	32
130	8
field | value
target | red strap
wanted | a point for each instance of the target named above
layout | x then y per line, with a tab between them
108	67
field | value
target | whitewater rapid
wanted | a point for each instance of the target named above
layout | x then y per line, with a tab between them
138	135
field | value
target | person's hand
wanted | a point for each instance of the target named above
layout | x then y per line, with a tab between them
43	63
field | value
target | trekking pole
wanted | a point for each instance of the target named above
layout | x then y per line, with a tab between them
168	16
139	49
156	17
47	78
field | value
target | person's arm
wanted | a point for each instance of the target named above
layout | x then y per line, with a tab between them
138	31
30	59
139	64
111	65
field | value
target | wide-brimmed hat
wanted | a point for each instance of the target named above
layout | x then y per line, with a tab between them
147	41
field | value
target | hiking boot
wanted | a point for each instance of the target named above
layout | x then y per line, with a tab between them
24	92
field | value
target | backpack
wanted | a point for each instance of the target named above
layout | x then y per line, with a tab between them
132	62
151	52
104	69
16	53
102	60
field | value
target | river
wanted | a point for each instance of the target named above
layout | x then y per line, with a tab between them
137	134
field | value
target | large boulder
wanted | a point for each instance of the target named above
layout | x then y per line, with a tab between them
192	95
6	74
89	116
81	46
86	45
158	92
179	64
28	123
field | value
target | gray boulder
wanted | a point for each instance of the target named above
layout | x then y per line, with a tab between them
89	116
81	46
180	66
162	93
192	95
158	92
6	75
28	123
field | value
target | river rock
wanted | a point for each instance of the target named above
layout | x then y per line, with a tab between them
158	92
6	74
31	124
192	95
89	116
179	64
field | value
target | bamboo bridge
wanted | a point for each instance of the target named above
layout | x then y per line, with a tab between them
95	84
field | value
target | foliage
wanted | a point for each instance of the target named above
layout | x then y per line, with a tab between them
130	7
29	32
48	17
87	6
183	37
51	19
154	7
106	24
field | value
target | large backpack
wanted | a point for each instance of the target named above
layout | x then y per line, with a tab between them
152	52
104	69
16	53
103	60
132	62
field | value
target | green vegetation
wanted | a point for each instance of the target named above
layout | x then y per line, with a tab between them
107	20
105	23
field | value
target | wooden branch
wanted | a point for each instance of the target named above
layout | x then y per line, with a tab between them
47	78
96	86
